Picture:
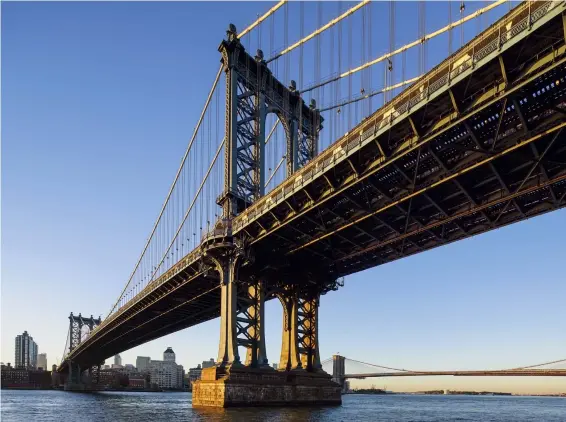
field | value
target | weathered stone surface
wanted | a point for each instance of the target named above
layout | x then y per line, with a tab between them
257	387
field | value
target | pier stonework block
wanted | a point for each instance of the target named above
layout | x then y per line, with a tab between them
260	387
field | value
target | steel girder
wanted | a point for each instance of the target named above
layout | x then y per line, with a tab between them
523	109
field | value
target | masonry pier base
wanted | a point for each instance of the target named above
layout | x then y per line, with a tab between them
249	387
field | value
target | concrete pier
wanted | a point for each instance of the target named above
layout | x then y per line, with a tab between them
260	387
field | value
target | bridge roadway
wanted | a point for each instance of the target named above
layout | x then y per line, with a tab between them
475	145
504	373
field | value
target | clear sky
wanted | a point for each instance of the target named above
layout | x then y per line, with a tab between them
98	103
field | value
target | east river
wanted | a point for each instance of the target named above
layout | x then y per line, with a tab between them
31	406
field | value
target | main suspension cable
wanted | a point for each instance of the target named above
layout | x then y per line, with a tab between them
262	18
406	46
190	207
193	137
372	94
319	30
184	159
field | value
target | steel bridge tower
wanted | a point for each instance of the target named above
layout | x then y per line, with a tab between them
74	379
252	92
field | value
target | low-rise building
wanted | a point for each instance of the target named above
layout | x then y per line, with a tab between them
208	363
194	374
24	378
166	373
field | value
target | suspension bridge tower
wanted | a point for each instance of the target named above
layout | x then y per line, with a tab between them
252	91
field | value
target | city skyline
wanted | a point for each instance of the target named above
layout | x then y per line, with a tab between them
129	104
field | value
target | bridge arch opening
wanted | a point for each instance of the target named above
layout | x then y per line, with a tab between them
277	137
273	330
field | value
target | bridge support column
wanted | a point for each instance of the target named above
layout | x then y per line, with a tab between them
307	331
74	380
290	359
228	348
231	383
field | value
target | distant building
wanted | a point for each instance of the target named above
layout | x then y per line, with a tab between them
26	352
169	355
142	363
42	361
208	363
117	360
166	373
194	374
27	378
275	365
121	379
114	366
129	367
106	367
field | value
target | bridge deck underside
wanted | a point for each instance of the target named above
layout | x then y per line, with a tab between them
187	299
482	154
485	153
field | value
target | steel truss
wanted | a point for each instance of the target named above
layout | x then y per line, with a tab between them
252	92
485	152
76	324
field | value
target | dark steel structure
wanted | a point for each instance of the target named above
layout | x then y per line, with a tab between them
476	144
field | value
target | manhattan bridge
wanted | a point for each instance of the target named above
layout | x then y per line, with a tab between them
287	186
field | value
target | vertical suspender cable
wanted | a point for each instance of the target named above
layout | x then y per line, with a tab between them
450	30
462	8
193	137
320	30
420	42
244	32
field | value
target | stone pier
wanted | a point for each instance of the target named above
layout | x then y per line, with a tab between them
249	387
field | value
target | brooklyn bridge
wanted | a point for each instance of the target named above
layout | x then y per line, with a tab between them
285	187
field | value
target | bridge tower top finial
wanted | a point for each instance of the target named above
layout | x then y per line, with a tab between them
293	85
232	33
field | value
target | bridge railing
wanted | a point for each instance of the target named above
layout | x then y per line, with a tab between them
514	23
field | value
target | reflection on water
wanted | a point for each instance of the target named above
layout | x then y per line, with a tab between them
63	406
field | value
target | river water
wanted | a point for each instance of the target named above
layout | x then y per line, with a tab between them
31	406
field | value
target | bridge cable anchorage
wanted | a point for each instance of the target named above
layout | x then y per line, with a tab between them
218	150
406	47
319	30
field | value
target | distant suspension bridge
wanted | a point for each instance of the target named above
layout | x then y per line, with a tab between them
343	368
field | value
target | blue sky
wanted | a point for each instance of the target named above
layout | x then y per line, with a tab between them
98	103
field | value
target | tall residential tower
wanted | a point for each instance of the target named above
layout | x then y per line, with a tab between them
26	351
